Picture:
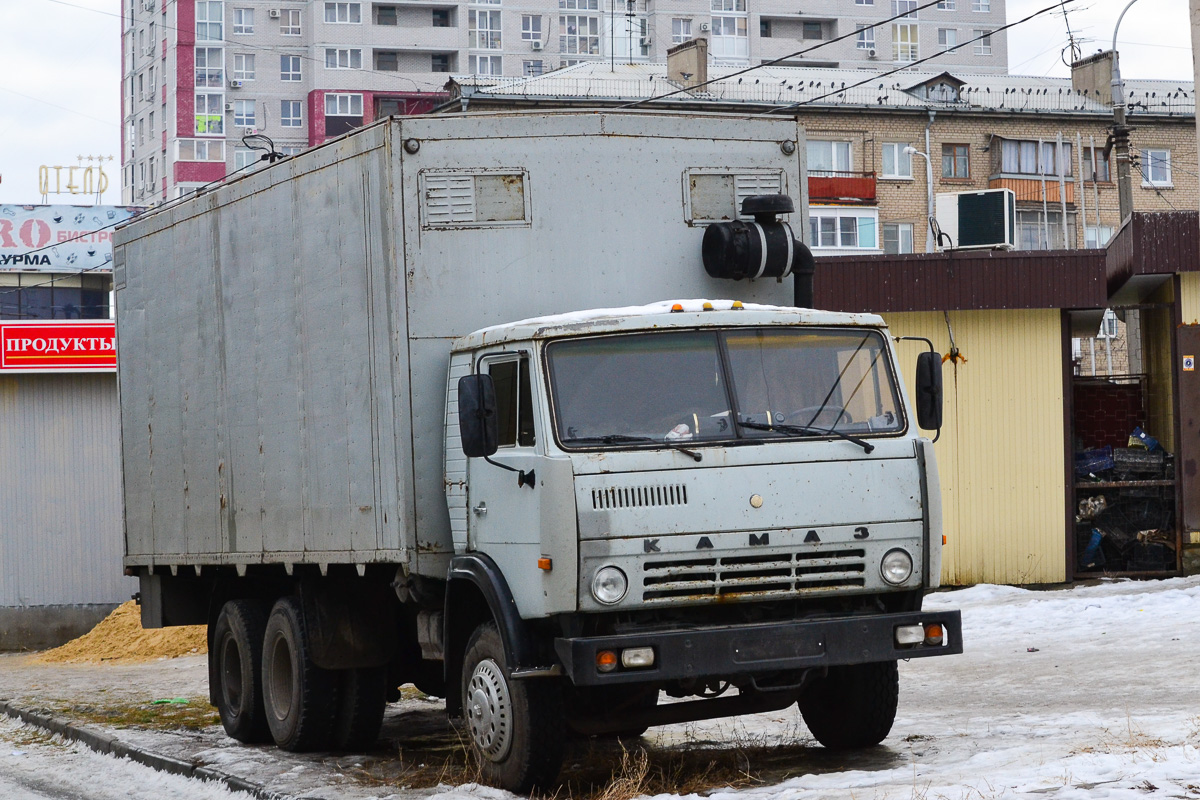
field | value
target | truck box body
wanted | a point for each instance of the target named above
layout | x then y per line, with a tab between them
285	338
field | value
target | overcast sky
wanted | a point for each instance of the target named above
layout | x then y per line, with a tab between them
60	70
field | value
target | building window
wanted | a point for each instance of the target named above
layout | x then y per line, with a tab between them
981	5
896	162
289	22
210	67
486	65
210	19
828	158
897	237
1038	231
578	34
1095	166
812	30
243	66
243	113
150	123
954	161
343	13
904	42
243	20
946	5
343	105
864	2
681	30
1156	168
141	131
210	113
289	68
386	15
947	37
289	149
843	228
764	28
906	7
439	62
531	27
290	113
983	43
730	35
532	68
347	58
387	60
866	37
483	30
440	18
1023	157
1095	236
243	158
200	150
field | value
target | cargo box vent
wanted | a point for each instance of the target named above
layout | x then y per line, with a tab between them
767	575
473	199
639	496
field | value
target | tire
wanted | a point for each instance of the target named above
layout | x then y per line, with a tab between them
235	658
361	697
298	696
515	728
853	706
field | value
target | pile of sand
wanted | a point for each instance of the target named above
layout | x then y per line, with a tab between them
120	637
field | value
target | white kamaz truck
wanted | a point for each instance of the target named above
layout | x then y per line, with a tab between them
375	431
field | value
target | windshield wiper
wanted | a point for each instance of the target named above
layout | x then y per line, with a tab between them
804	430
621	438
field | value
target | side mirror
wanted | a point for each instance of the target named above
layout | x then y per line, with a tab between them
929	390
477	422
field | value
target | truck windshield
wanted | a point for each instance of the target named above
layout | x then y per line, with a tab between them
719	385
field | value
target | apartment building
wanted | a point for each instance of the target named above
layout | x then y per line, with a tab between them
199	75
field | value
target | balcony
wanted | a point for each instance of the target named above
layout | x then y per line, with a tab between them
827	186
1029	190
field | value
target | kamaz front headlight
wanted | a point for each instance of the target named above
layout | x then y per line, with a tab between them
609	585
896	567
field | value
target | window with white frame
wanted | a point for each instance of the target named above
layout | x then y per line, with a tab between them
981	5
288	149
343	13
1026	157
533	68
486	65
730	35
200	150
906	7
865	37
1038	230
897	237
1156	167
483	28
243	113
947	37
531	27
627	36
1096	236
842	228
210	67
142	131
1109	325
828	158
983	43
864	2
904	42
210	20
210	113
289	22
896	162
244	157
289	68
290	113
343	58
150	122
343	105
243	66
578	34
243	20
681	30
946	5
579	5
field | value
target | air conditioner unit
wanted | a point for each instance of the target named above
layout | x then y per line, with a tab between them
703	26
235	84
229	106
249	131
871	53
647	41
273	13
537	44
978	220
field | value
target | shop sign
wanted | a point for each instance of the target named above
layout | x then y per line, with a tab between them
59	238
75	346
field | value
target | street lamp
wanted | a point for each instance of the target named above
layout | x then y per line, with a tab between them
1120	135
910	150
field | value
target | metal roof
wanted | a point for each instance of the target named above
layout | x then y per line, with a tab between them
823	88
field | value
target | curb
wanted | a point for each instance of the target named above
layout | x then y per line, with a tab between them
110	745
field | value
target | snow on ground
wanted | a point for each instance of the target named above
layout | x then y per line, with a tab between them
1087	692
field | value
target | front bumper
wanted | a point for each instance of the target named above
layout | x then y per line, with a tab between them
732	650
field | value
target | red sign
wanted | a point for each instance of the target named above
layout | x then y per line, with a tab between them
75	346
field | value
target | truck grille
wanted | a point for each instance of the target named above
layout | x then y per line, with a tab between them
774	574
639	496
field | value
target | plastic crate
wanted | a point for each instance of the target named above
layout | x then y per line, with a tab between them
1092	461
1150	557
1135	459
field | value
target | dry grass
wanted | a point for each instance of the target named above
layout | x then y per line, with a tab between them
192	714
120	638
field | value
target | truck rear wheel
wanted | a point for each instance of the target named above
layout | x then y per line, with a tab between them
297	694
853	706
361	697
236	670
516	727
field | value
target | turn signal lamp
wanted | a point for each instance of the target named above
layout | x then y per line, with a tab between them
934	635
544	563
606	661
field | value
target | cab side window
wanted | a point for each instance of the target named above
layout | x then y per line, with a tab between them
514	402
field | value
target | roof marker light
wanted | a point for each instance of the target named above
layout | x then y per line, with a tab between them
737	305
707	306
677	307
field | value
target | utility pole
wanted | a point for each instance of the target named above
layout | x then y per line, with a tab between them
1120	135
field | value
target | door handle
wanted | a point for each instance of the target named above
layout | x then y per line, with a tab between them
480	510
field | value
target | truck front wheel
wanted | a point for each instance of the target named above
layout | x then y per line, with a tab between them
852	706
516	727
298	695
236	658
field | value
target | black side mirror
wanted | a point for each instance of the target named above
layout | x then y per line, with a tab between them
929	390
477	422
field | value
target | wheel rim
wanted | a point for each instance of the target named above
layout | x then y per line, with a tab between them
489	710
281	679
231	674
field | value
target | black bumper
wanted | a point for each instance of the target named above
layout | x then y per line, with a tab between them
721	652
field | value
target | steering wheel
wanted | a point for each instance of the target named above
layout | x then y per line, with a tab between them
819	416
